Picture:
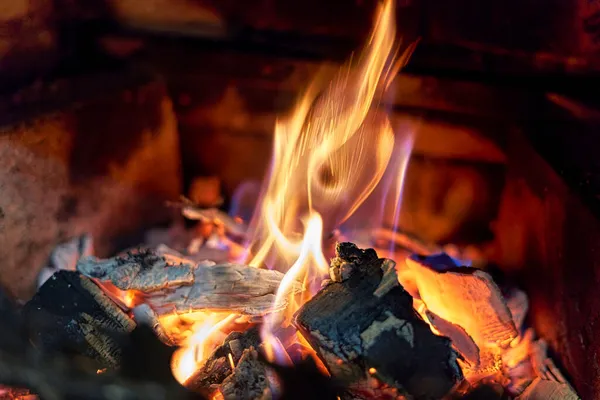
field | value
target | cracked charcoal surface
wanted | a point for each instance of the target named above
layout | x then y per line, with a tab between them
346	321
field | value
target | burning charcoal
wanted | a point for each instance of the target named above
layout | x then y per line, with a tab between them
70	311
226	287
217	366
541	389
145	270
476	306
248	380
65	256
359	334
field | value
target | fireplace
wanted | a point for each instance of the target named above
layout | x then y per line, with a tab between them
114	109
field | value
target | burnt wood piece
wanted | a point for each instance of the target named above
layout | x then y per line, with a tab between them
229	287
143	270
357	333
477	307
217	367
248	380
172	284
71	313
541	389
61	376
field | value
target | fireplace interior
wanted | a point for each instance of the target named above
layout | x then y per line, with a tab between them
140	133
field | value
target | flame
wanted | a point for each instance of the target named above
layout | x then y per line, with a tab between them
311	256
194	350
330	153
328	157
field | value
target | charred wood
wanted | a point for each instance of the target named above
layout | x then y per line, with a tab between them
144	270
541	389
248	380
359	334
172	284
57	375
217	367
231	287
71	312
478	310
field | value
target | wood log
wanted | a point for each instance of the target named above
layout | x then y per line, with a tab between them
217	366
60	376
358	334
541	389
71	312
226	287
211	215
248	380
171	284
468	298
143	270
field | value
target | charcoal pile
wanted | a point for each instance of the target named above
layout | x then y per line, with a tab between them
79	336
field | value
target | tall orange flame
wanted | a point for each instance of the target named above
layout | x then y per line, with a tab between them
328	156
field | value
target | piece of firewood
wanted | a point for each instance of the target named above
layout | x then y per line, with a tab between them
70	311
62	375
143	270
226	287
461	340
541	389
217	367
248	380
171	284
211	215
470	299
358	334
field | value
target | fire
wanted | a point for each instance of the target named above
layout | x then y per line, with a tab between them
329	155
201	339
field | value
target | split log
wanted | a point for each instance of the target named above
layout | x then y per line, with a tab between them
71	312
358	334
171	284
145	271
227	287
468	298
